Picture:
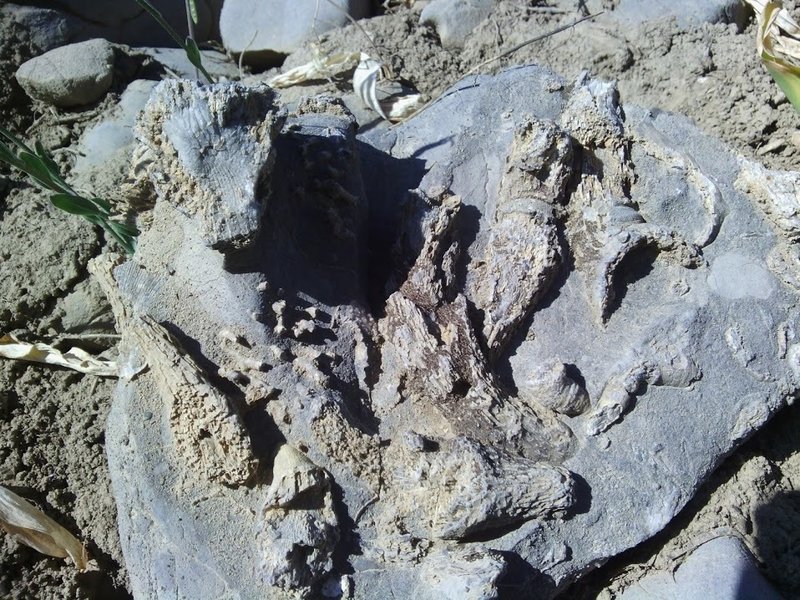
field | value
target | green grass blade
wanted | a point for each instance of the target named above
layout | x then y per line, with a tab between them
787	78
36	169
14	140
8	156
75	205
194	56
103	205
123	228
43	170
192	6
124	234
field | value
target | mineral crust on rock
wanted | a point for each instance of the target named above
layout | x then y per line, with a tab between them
471	356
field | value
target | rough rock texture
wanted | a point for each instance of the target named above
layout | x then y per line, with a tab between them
213	148
266	31
476	354
72	75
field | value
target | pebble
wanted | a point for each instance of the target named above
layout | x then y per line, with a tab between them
454	20
73	75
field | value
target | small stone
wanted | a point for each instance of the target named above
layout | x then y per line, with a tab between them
773	145
73	75
454	20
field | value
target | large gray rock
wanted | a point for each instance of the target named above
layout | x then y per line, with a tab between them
128	23
73	75
47	28
476	354
267	30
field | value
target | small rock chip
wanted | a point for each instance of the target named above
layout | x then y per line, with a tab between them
73	75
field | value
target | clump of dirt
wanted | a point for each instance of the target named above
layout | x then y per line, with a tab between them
51	452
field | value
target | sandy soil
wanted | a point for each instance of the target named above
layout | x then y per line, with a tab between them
51	421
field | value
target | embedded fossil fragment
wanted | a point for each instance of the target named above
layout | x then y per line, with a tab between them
662	360
208	431
299	529
522	254
210	152
465	573
433	360
621	242
462	487
552	386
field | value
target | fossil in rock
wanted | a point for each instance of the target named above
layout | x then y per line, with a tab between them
453	488
210	150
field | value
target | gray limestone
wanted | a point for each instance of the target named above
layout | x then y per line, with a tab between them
474	355
73	75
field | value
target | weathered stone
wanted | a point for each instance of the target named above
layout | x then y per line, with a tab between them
266	31
129	23
47	28
72	75
458	367
212	146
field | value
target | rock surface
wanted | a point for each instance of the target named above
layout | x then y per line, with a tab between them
266	31
435	367
721	568
129	23
73	75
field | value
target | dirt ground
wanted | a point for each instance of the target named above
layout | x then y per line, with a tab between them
52	421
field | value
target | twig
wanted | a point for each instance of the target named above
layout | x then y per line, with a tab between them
538	38
364	508
245	49
506	53
360	27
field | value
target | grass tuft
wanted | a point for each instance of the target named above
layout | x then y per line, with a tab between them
37	164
